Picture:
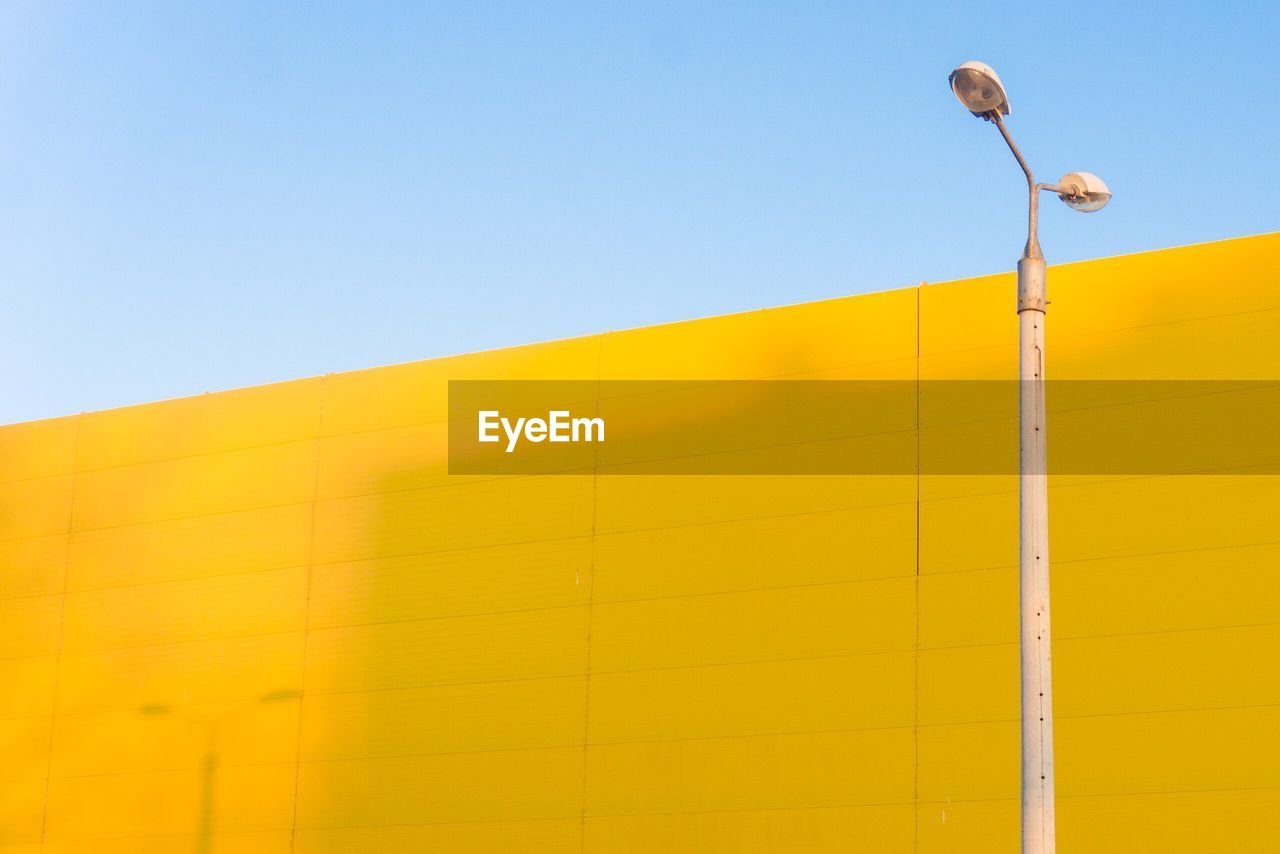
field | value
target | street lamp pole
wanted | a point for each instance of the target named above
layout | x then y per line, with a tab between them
980	90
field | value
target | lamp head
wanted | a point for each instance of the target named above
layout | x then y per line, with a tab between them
1090	193
978	87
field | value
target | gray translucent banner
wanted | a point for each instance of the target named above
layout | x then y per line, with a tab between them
935	427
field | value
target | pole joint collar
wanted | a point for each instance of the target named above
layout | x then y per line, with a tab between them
1031	285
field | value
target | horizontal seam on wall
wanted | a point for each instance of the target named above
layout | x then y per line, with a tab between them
576	745
940	572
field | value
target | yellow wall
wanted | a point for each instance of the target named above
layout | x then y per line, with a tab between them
641	664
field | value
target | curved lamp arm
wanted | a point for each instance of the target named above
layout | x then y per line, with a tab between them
1032	249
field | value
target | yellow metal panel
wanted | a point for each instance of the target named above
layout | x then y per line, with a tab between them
417	393
194	486
244	798
780	551
1106	596
1121	674
497	785
864	337
35	508
998	361
1233	585
21	811
969	684
210	423
235	606
969	328
253	842
1120	755
29	625
1116	596
1172	285
969	762
28	686
1163	514
37	449
546	712
1171	823
951	826
242	669
385	461
815	695
1104	519
32	566
160	737
1234	346
228	543
489	513
546	574
509	837
970	533
482	648
642	502
758	772
974	607
969	331
24	744
803	622
1168	670
879	829
1169	752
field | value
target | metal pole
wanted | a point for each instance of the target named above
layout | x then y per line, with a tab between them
1038	831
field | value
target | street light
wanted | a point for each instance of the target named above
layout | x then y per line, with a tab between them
979	88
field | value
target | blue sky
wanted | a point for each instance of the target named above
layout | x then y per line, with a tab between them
210	195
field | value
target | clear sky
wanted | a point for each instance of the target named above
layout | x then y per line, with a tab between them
198	196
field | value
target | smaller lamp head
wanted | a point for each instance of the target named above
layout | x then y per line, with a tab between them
1089	192
978	87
